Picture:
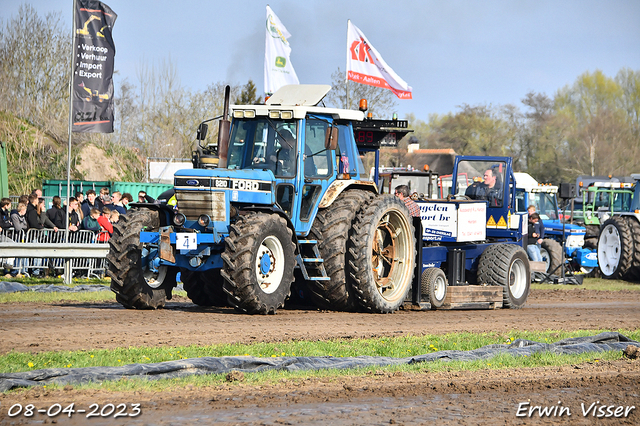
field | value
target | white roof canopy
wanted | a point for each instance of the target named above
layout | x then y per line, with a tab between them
299	94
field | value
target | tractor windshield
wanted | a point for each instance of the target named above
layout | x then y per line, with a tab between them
481	180
545	203
262	143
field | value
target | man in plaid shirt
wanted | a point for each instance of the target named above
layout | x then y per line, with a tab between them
402	192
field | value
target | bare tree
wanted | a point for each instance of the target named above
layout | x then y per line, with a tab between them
34	69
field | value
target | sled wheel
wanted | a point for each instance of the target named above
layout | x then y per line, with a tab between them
506	265
434	283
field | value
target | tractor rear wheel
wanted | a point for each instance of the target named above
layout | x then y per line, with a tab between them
258	263
634	271
506	265
331	229
137	279
552	255
615	248
204	288
434	283
382	254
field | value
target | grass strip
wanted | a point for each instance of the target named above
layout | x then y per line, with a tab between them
107	296
590	284
403	346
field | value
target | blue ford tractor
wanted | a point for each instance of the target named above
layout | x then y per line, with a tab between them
282	200
577	251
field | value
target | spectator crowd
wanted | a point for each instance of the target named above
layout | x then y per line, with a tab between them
86	211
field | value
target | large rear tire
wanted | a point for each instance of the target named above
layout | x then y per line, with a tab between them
258	263
552	255
634	272
204	288
615	248
382	254
506	265
136	278
331	229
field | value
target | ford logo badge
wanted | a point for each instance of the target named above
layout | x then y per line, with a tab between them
192	182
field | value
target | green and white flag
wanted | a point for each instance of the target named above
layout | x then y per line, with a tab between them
278	70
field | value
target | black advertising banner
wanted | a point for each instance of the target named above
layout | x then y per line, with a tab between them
94	53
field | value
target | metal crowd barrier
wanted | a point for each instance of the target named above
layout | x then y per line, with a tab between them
38	250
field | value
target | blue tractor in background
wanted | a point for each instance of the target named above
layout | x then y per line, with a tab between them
578	253
282	200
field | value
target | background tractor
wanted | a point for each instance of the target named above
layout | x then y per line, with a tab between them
619	239
577	250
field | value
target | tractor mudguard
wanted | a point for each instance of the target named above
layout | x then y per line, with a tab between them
281	213
338	186
166	219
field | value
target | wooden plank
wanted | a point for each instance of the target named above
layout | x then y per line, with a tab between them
538	266
468	306
473	297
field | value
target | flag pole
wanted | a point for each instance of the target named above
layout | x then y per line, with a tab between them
346	72
73	50
67	263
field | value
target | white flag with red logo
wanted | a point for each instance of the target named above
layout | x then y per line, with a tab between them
278	70
366	66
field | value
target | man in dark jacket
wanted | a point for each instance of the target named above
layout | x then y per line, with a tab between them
74	218
32	213
92	202
5	214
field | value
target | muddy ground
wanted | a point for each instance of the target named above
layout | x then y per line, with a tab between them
485	397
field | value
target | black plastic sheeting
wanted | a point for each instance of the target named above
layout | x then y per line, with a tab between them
608	341
14	287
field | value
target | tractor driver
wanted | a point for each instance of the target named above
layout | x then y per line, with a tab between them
490	189
281	157
494	187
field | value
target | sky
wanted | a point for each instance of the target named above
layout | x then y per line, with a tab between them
451	52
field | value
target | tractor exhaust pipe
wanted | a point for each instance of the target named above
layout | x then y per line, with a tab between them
223	131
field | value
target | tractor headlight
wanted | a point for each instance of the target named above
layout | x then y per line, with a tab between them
575	241
204	220
179	219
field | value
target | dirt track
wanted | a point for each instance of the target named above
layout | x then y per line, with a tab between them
484	397
71	326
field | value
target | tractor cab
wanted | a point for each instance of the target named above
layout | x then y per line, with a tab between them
488	179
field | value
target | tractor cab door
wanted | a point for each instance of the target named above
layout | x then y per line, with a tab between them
316	166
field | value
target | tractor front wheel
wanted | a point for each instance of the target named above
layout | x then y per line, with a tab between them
551	252
258	263
137	278
204	288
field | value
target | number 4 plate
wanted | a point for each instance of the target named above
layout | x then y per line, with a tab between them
186	241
